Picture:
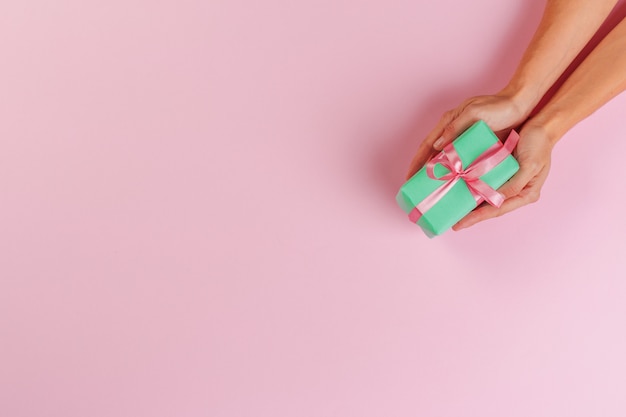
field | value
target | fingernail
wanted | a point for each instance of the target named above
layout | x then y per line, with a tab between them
438	143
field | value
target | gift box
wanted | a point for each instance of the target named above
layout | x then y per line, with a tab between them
464	174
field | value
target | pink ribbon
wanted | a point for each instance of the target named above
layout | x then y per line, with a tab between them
480	190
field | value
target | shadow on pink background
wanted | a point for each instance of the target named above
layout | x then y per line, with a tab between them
198	219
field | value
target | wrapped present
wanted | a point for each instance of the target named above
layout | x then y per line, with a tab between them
465	173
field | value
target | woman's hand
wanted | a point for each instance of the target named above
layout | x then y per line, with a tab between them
501	112
533	152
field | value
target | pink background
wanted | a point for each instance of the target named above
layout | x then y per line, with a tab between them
198	219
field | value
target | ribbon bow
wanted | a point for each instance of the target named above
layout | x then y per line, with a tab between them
449	158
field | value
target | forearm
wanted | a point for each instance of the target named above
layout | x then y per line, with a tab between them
566	27
600	77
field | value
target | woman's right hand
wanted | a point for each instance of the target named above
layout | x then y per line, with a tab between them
501	112
533	152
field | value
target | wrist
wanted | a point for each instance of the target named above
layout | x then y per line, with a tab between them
523	96
552	125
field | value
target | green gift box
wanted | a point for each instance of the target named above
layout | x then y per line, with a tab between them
455	198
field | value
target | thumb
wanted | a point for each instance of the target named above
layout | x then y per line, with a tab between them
455	127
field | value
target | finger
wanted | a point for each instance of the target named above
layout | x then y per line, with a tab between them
418	162
435	134
425	150
450	126
457	125
516	184
423	154
488	212
528	195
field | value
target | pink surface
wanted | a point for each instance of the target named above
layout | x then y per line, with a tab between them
198	219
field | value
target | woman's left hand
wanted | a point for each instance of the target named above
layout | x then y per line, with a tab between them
501	112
